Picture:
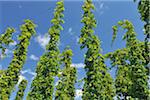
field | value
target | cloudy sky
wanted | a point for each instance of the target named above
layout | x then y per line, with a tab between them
107	14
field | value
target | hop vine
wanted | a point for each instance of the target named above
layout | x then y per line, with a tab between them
5	40
10	77
22	87
65	89
98	82
131	64
48	66
144	10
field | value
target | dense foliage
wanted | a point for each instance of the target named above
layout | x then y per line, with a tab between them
48	66
65	89
10	77
132	78
98	83
132	62
144	10
22	87
122	81
5	40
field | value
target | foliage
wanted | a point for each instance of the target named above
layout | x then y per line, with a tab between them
1	72
144	10
65	88
130	63
6	39
10	77
98	82
144	7
48	66
123	81
22	87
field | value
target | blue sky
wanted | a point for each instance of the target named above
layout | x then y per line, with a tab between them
107	14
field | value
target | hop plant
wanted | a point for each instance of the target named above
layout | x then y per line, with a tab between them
10	77
48	66
131	64
6	39
98	83
65	89
22	87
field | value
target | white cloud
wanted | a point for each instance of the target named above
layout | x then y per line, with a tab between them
78	65
8	52
20	79
24	71
29	72
2	56
43	40
79	93
33	57
13	44
77	39
100	7
70	31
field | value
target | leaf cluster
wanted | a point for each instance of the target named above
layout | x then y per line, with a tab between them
6	39
98	83
10	77
65	89
48	66
22	87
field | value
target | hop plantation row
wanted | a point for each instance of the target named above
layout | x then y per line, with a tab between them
131	62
